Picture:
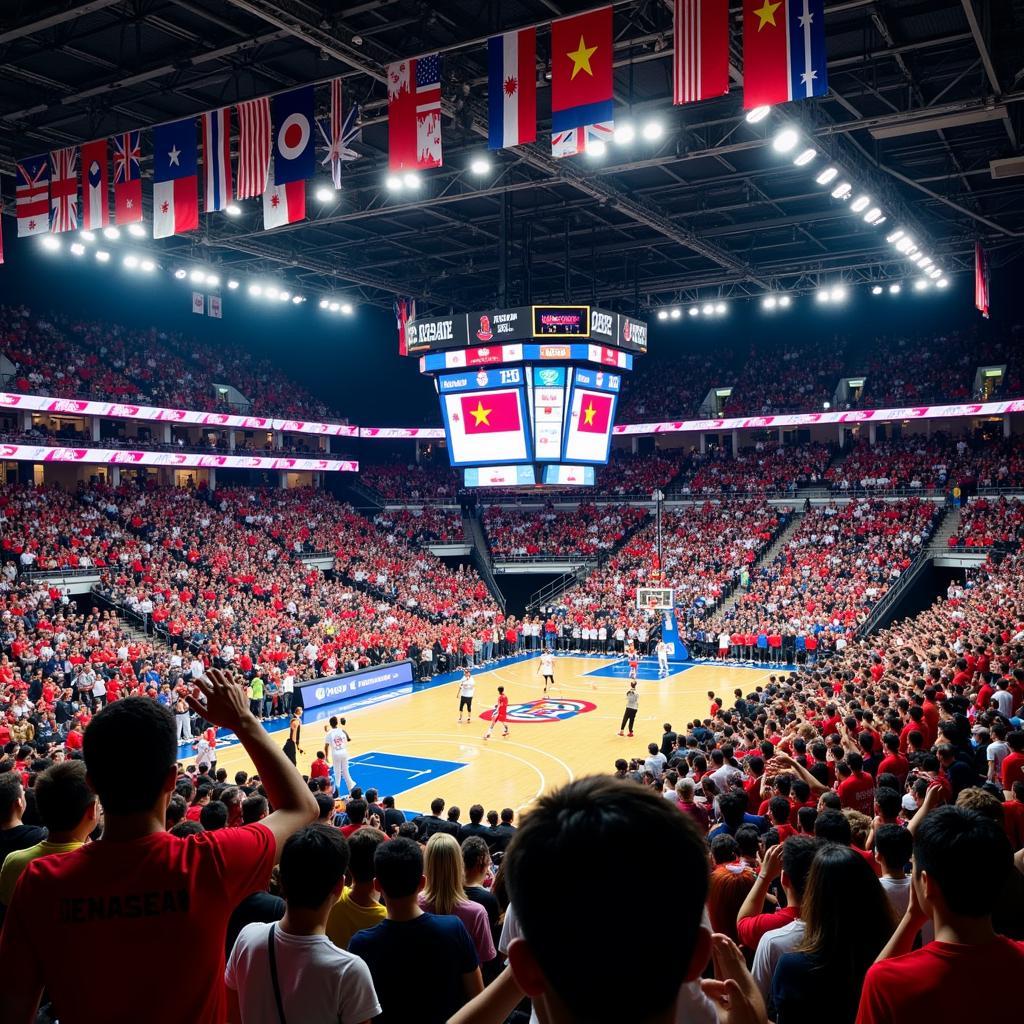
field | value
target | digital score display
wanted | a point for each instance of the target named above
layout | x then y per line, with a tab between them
561	321
485	416
547	400
594	397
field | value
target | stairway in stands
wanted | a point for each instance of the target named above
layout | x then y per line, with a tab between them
948	525
473	531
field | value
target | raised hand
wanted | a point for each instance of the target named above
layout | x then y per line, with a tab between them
733	991
225	702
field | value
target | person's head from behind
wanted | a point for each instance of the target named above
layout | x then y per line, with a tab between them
950	846
214	816
12	797
254	808
313	865
64	802
833	827
436	806
356	811
442	865
362	846
398	868
893	846
748	840
475	856
732	807
724	849
585	834
139	732
325	807
797	856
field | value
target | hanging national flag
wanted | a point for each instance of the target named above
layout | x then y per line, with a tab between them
981	280
700	58
213	306
339	134
217	159
64	189
127	179
283	203
32	195
595	413
294	145
95	190
405	311
414	113
512	89
253	148
581	81
175	178
783	51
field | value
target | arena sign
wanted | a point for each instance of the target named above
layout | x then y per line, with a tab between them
321	692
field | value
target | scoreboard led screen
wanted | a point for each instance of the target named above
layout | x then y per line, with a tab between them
561	321
485	417
593	399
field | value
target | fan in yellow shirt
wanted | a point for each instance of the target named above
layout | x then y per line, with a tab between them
357	908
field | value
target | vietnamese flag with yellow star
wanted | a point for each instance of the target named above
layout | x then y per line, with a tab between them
492	413
784	54
581	79
595	413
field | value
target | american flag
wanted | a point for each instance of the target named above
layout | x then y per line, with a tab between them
339	134
253	148
64	189
428	109
414	113
32	195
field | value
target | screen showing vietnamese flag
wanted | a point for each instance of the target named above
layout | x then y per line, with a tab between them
486	427
591	418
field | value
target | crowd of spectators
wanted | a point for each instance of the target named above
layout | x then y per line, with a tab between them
790	378
990	523
423	525
412	482
587	529
767	466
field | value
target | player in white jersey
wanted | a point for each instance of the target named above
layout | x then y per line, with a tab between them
467	687
662	650
546	667
336	748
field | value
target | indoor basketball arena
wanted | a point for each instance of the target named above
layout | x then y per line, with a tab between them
511	512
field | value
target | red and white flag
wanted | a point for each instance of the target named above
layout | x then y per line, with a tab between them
253	148
414	113
32	195
405	311
217	159
283	204
95	185
981	279
127	180
700	59
64	189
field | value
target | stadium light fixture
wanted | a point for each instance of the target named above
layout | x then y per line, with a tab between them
233	210
51	243
77	249
662	314
232	284
785	302
256	290
284	295
895	289
197	276
653	130
785	140
826	406
346	308
102	255
880	221
625	133
827	175
904	244
920	284
823	295
839	293
676	313
804	158
272	291
708	309
394	183
180	273
334	307
87	236
943	282
213	280
860	203
324	303
596	147
873	215
480	165
842	190
324	194
411	180
877	290
147	265
111	233
693	311
895	236
131	261
296	299
721	309
926	262
758	114
769	302
935	272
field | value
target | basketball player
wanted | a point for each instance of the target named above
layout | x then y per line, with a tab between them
336	748
662	650
467	687
632	703
499	714
547	668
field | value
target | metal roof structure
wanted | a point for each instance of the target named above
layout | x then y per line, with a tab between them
924	97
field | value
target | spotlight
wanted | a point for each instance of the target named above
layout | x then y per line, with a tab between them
136	231
784	301
51	243
943	282
625	133
676	314
860	203
271	291
895	236
333	307
212	280
284	295
881	220
708	308
873	215
921	284
77	249
826	406
757	114
480	165
693	311
839	293
296	299
926	262
653	130
895	289
877	290
911	249
785	140
411	180
904	244
720	309
346	308
256	290
232	284
111	233
394	183
102	255
324	194
197	276
596	147
131	261
662	314
823	295
233	210
87	236
827	175
935	272
148	266
805	158
842	190
917	257
180	273
769	302
323	303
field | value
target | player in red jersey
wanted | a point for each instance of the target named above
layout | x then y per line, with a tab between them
634	661
499	714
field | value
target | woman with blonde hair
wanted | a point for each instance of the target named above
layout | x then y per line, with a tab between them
444	892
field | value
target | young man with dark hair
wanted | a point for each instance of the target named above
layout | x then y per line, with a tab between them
357	907
14	835
424	966
214	816
139	887
892	848
940	980
254	808
291	970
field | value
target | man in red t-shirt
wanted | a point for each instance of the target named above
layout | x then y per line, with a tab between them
139	887
934	983
855	787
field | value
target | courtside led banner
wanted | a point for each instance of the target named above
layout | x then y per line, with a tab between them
320	692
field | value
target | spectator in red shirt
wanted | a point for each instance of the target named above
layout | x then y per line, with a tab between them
790	863
139	887
855	787
1013	763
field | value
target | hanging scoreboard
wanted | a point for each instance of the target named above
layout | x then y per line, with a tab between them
592	403
485	417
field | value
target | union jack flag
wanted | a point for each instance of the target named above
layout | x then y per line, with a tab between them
64	189
340	134
127	179
575	140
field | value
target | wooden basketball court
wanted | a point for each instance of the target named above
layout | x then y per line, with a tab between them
415	739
